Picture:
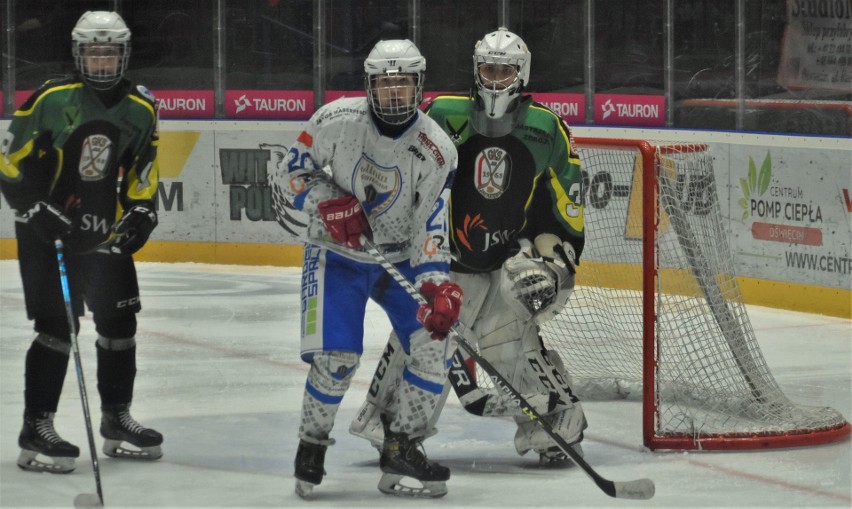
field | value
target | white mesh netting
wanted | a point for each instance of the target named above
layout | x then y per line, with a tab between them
711	378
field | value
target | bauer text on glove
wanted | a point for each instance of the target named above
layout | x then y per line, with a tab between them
344	219
442	311
133	230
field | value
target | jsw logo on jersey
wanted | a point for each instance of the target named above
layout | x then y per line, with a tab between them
93	223
492	239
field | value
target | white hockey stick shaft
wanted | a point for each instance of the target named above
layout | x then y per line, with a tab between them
83	499
639	489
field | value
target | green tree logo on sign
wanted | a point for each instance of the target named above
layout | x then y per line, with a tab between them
757	183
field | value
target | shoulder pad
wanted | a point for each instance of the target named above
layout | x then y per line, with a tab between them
45	88
143	91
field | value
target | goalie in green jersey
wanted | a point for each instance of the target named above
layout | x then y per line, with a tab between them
517	234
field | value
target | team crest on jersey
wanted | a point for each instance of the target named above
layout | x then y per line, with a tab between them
492	168
381	185
94	157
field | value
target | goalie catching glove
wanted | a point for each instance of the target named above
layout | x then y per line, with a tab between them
537	283
442	310
344	219
133	230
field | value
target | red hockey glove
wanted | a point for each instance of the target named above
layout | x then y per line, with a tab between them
344	219
442	312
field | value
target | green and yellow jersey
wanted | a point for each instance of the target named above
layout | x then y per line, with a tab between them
91	154
519	185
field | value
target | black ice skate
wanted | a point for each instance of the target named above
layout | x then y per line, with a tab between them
119	429
401	457
42	449
310	459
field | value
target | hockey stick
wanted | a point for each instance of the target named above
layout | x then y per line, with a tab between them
83	499
639	489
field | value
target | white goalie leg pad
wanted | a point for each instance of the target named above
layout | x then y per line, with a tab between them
568	424
423	380
382	395
328	379
566	418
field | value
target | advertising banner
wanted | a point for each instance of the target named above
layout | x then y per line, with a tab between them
21	96
816	52
269	104
571	107
185	103
791	213
787	204
631	110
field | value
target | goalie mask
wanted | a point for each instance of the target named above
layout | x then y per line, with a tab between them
394	72
501	69
101	48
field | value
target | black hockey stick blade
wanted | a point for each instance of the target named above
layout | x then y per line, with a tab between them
88	500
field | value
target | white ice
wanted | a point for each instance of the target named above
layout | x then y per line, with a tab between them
220	377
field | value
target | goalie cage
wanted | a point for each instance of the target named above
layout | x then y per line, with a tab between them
657	311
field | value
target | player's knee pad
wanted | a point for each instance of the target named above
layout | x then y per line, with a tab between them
116	344
115	326
52	343
331	373
56	327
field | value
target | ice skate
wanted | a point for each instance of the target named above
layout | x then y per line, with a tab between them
401	457
310	459
42	449
126	438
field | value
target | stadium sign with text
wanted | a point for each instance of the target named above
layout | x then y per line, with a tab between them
185	103
631	110
269	104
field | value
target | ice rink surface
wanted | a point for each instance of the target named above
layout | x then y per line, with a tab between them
220	377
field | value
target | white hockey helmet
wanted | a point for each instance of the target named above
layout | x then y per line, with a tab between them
501	69
101	48
394	73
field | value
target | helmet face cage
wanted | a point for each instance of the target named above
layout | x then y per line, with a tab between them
395	97
101	48
500	51
394	75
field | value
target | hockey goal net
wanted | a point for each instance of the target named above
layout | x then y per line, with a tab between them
658	315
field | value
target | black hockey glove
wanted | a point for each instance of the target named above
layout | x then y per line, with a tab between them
133	230
47	221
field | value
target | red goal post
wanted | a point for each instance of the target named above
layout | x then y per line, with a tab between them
658	315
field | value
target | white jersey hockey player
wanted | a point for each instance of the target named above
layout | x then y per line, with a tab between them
374	167
517	234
